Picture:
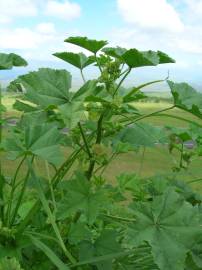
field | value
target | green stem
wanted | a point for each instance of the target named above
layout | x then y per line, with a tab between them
21	196
65	168
105	167
42	197
135	89
98	141
113	256
50	186
194	181
124	72
121	81
144	258
40	235
148	115
120	218
13	183
103	258
98	63
181	155
82	75
84	140
55	180
179	118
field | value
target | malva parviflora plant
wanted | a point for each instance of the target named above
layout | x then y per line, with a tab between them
73	217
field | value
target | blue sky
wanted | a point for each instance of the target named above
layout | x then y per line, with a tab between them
36	29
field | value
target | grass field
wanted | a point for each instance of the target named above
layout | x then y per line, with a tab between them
153	161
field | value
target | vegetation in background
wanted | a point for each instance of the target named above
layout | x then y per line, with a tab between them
73	217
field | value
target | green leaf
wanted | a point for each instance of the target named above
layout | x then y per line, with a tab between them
134	58
186	98
169	224
91	45
24	107
78	232
15	87
80	196
88	89
8	251
78	60
25	208
120	147
196	252
114	52
156	57
72	113
8	61
49	253
142	134
106	244
134	184
2	107
9	264
47	86
40	140
34	118
190	264
164	58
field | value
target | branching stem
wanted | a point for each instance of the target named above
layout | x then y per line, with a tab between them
121	81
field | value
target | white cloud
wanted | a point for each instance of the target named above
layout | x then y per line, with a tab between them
38	43
195	6
64	10
151	14
22	38
151	17
46	28
11	9
4	19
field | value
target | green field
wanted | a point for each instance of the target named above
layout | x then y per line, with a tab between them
146	163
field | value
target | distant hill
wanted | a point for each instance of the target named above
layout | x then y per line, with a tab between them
158	94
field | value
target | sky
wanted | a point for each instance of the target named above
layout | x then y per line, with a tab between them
36	29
